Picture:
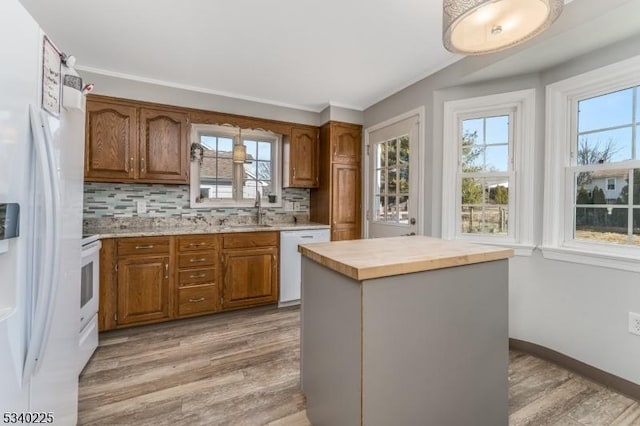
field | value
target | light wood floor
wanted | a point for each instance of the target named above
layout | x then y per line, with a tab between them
242	368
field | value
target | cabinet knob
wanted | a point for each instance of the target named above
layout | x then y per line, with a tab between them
201	299
131	163
150	246
166	270
142	164
202	259
294	172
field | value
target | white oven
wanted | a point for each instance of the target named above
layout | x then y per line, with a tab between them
89	292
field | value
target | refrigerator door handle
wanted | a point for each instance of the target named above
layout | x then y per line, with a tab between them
48	282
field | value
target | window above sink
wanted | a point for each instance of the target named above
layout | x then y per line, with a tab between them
218	181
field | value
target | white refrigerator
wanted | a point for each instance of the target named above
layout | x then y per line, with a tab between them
41	170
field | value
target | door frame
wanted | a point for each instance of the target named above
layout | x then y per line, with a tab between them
420	163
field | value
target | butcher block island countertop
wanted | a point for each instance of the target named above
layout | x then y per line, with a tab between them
405	331
384	257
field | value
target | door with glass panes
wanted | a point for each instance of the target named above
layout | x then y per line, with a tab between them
393	180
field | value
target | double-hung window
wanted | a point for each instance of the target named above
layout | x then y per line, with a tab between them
487	169
485	174
592	182
605	150
217	179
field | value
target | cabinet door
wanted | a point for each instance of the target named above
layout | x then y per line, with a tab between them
345	233
250	277
143	289
110	138
164	146
304	158
345	203
346	140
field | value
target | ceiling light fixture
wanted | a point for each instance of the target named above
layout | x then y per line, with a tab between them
475	27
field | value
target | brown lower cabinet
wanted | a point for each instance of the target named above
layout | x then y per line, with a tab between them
250	277
345	203
153	279
198	283
250	269
143	289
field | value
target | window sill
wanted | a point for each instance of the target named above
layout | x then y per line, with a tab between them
594	257
518	248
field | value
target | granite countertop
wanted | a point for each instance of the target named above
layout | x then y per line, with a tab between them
383	257
134	231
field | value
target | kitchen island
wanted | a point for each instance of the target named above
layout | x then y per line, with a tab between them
406	331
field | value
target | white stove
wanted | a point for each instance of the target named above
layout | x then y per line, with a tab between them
89	292
88	239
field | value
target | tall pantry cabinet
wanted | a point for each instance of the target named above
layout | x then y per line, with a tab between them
337	200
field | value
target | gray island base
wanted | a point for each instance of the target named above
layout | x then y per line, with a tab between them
405	331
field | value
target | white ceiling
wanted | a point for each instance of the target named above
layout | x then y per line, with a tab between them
304	54
299	53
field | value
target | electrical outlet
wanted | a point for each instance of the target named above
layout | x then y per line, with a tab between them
634	323
288	206
296	206
142	207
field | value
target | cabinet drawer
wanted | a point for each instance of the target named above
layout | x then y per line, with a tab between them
147	245
196	276
252	239
195	300
197	242
197	259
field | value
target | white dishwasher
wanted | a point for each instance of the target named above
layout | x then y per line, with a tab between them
290	261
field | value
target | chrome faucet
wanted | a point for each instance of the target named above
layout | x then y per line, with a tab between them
258	204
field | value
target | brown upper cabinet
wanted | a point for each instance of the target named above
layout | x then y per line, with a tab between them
300	155
345	142
109	153
127	142
164	137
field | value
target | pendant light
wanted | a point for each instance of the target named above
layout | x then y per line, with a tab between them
239	150
474	27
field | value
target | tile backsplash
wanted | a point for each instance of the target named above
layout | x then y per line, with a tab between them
103	200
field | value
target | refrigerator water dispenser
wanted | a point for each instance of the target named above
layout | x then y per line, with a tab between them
9	224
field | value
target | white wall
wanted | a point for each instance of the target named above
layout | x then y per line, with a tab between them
336	113
578	310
